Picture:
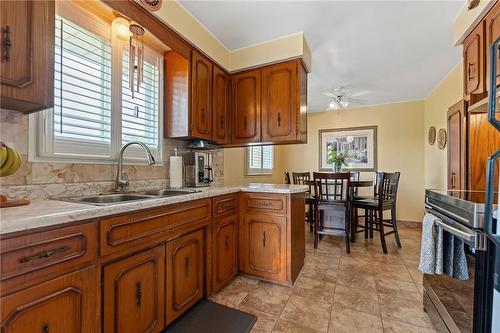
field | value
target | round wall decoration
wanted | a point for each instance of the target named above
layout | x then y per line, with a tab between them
152	5
441	138
431	135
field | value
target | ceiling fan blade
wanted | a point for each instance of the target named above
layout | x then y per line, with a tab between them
329	94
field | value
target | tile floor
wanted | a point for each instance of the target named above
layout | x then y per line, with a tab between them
365	291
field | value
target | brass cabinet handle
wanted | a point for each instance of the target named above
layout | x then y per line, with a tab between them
264	239
227	242
138	294
265	203
44	254
453	175
221	122
469	66
46	328
202	115
228	206
245	122
187	266
7	43
279	119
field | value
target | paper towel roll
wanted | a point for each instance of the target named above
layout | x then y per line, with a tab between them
175	171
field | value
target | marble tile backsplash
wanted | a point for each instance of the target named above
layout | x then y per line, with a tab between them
43	179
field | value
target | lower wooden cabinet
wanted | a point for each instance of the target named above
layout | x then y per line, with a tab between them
185	270
65	304
134	290
264	248
225	250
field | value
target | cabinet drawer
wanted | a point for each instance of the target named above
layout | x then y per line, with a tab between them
225	204
142	229
31	258
270	203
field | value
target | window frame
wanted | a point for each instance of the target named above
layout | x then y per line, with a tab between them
42	141
258	172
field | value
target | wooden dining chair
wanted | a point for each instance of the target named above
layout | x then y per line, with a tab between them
286	174
303	178
332	201
386	189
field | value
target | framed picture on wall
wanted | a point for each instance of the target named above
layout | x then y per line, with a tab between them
357	144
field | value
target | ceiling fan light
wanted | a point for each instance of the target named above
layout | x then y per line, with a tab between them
344	103
334	104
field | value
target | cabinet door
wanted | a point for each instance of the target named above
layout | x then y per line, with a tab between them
473	48
185	262
201	105
226	255
265	245
134	293
220	106
246	105
65	304
456	146
27	55
492	34
279	102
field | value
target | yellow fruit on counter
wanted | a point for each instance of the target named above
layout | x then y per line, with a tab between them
3	154
12	164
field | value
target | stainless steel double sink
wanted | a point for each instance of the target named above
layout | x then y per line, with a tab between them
116	198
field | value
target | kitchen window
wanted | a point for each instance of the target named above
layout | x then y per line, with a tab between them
94	110
260	161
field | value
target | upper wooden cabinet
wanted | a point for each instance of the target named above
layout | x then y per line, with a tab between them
201	97
220	106
27	55
273	111
456	146
492	34
280	102
474	60
246	107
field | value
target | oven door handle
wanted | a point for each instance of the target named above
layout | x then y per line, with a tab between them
471	237
467	237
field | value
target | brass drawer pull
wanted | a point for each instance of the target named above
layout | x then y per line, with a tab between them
44	254
265	203
227	242
138	294
7	43
187	266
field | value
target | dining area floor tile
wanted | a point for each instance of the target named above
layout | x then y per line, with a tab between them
364	291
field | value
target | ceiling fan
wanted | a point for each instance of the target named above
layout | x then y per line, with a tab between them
341	97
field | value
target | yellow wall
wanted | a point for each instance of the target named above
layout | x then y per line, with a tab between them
234	168
399	142
446	93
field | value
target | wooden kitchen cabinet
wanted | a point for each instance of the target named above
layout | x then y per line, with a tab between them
69	303
185	270
27	55
225	250
456	146
474	65
245	103
220	106
492	34
134	293
265	245
201	97
280	112
272	236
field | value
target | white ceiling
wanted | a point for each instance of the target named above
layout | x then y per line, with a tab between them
399	50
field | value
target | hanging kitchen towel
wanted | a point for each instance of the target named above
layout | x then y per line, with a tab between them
454	259
431	252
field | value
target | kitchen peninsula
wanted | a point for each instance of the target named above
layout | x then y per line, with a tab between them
171	251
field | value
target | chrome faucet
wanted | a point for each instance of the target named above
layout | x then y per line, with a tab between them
122	178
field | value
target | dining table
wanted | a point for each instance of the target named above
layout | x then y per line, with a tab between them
353	186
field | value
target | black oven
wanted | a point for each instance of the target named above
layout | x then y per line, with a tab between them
454	305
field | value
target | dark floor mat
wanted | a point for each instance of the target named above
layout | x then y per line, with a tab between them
209	317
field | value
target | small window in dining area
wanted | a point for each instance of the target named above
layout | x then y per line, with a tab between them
260	160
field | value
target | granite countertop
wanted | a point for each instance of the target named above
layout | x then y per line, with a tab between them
45	212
